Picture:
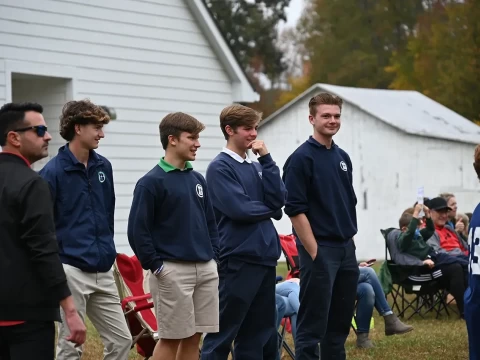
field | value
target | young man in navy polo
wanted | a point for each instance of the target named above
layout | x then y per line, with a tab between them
81	183
246	195
173	232
472	295
321	206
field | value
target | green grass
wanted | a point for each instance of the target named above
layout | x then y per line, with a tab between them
432	339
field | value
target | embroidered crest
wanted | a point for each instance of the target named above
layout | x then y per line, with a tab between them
199	190
101	176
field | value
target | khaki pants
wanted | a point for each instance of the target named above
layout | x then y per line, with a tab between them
185	296
96	295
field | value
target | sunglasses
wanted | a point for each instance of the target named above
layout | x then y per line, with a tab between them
39	129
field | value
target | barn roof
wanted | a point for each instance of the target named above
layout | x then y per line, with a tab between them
409	111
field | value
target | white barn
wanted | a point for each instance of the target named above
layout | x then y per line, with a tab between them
142	58
398	141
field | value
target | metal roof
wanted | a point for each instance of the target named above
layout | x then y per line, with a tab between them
409	111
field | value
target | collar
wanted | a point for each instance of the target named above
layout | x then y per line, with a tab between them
314	142
236	157
20	156
446	227
167	167
66	155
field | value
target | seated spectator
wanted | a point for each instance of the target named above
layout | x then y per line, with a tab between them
465	221
452	213
370	294
445	238
412	241
289	290
453	220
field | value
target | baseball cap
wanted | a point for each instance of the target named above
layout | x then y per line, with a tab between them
438	203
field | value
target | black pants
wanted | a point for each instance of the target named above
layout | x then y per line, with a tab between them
30	340
454	280
247	313
328	288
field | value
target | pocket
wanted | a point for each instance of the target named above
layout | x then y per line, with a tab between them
168	269
316	252
234	266
354	245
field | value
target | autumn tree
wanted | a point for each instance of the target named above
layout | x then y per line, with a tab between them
443	57
350	41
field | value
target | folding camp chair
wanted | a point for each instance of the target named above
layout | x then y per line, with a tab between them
417	281
289	248
137	305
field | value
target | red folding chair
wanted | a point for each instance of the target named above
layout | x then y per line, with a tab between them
289	248
137	303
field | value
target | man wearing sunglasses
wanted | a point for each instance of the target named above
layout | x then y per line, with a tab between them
32	280
81	183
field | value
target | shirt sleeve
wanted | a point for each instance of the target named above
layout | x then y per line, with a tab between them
275	193
140	225
50	177
212	225
297	177
229	197
37	233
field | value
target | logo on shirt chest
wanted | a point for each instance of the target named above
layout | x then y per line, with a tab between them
101	177
343	166
260	174
199	190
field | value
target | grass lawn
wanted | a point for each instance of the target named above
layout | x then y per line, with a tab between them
431	339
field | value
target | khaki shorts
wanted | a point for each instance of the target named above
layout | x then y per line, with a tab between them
185	296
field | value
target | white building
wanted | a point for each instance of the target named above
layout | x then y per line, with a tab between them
142	58
398	141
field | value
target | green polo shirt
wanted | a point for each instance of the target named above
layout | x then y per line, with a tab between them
167	167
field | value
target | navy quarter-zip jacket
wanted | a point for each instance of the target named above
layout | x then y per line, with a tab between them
84	208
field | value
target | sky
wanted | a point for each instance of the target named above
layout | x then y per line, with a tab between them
293	12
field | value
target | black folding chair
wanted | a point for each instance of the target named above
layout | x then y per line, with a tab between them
418	281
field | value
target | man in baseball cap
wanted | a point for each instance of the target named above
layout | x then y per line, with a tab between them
438	204
445	239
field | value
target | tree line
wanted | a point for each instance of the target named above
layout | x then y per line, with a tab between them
432	46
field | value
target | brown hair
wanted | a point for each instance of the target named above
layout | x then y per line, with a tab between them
175	124
476	163
237	115
446	196
405	219
323	98
81	112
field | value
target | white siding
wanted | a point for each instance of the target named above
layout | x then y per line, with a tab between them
3	81
388	166
143	58
52	94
